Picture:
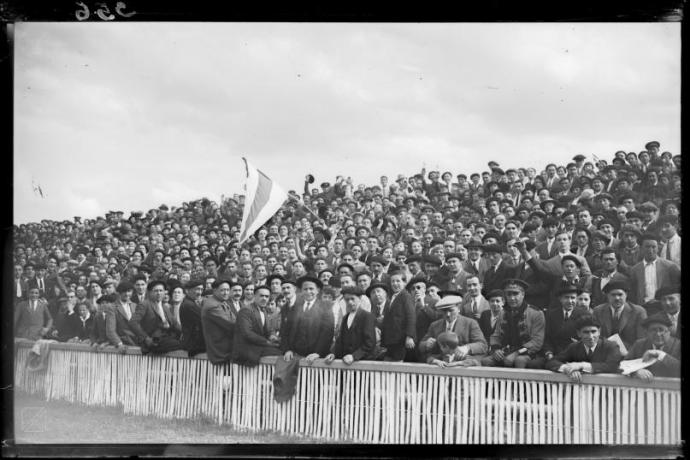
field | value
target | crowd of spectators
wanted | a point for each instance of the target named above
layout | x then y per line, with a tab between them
572	269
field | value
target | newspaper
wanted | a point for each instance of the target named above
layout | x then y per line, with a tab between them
616	338
634	365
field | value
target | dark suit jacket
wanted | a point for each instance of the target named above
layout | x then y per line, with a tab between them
48	287
630	327
559	334
494	279
598	296
359	340
192	337
468	331
534	322
308	332
78	328
483	267
556	282
669	367
145	322
123	330
104	327
399	320
28	323
485	324
544	253
605	359
218	326
24	286
466	307
251	337
667	274
425	315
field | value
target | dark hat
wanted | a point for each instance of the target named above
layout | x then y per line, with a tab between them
110	298
414	258
542	204
270	279
666	290
497	170
579	157
325	184
652	144
453	255
433	260
601	235
194	282
155	283
419	278
383	286
492	248
492	164
601	196
474	243
495	293
351	290
448	292
659	318
648	205
649	236
306	278
616	284
515	282
310	178
145	268
586	321
569	289
573	258
285	379
289	281
377	259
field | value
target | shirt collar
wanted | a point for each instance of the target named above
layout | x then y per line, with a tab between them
646	264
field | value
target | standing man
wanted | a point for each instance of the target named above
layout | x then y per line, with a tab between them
670	250
489	318
251	341
357	338
32	319
307	331
618	316
399	321
192	337
218	320
519	333
152	322
474	303
652	273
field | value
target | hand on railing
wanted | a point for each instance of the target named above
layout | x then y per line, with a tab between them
348	359
409	343
329	358
312	357
288	356
643	374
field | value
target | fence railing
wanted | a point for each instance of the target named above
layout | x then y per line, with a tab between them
369	402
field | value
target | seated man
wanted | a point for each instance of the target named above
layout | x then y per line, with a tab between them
79	326
590	355
519	333
658	344
104	328
472	343
357	337
449	345
489	318
152	322
218	321
251	340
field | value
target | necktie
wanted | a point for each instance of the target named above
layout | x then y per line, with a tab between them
33	305
448	327
589	353
668	250
40	284
307	306
567	316
474	306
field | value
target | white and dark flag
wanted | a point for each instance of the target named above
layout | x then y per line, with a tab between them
263	197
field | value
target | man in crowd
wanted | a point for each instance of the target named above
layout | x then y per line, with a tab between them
251	339
192	337
519	333
592	354
658	346
218	320
618	316
151	322
32	319
357	338
471	341
398	328
652	273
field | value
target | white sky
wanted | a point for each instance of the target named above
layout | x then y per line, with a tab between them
127	116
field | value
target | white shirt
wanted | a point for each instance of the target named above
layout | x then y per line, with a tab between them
307	305
605	279
650	284
128	312
672	246
549	244
451	326
263	317
350	319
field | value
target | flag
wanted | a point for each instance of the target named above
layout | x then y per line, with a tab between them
263	197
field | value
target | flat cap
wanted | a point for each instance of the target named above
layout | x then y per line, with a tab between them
579	157
515	282
616	284
666	290
312	279
448	302
373	286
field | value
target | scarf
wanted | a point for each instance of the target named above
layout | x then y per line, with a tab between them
514	326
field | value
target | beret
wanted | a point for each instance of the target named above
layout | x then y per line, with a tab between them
194	283
413	258
155	283
616	284
493	248
570	289
495	293
352	290
668	219
270	279
634	215
433	260
602	236
416	279
658	318
666	290
312	279
448	301
649	236
631	229
373	286
378	259
474	243
515	282
573	258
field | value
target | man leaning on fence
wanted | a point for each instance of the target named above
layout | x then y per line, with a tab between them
357	338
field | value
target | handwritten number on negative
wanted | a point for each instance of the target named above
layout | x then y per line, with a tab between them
102	11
